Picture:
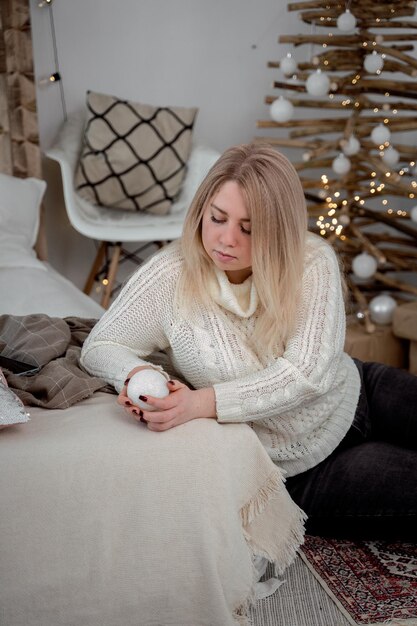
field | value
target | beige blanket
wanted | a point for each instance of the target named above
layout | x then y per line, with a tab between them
106	523
54	344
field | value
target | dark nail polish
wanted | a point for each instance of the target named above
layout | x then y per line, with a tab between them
128	403
127	381
143	420
141	413
143	398
171	382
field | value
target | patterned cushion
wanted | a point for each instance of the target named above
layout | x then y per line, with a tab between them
12	410
134	155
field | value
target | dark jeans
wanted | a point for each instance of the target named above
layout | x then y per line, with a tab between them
367	488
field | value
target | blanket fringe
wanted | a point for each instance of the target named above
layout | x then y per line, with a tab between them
281	543
257	504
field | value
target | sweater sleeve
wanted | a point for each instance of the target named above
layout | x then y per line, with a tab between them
307	368
134	325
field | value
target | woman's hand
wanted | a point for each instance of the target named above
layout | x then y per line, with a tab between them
181	405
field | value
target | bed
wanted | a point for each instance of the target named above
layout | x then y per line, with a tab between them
103	522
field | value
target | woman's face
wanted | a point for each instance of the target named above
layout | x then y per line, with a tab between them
226	231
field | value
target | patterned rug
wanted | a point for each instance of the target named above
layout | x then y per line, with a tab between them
372	582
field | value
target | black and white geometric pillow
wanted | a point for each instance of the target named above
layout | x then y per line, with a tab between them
134	155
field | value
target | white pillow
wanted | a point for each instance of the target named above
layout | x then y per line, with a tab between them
20	200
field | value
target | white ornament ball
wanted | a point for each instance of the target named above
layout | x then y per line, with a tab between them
351	146
344	219
381	309
147	382
364	265
341	164
413	213
391	156
380	134
346	22
288	65
281	110
318	84
373	63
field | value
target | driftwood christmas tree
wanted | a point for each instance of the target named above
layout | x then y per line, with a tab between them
358	173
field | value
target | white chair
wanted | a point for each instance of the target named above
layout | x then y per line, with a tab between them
112	227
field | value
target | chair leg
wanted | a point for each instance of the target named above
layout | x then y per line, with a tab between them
114	264
97	263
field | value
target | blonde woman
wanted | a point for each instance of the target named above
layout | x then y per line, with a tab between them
248	310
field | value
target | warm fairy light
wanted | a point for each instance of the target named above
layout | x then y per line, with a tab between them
373	174
372	190
331	212
342	237
413	184
334	221
328	199
372	183
357	104
412	163
105	281
401	172
394	111
387	174
386	120
384	202
357	198
344	202
387	94
411	195
339	229
362	202
376	110
337	194
322	232
324	178
390	211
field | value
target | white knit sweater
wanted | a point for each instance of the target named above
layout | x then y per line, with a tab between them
300	404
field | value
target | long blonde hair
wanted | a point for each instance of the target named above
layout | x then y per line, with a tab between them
275	201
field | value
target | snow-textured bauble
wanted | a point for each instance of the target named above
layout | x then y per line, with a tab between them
288	65
281	110
147	382
351	145
341	164
381	309
318	84
364	265
373	63
391	156
346	22
380	134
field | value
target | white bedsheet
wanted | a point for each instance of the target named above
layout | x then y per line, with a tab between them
25	290
106	523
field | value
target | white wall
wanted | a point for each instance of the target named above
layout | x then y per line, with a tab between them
207	53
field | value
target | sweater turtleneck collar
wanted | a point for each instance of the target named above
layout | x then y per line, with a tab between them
241	299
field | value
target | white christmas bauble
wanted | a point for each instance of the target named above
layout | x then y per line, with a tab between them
373	63
346	22
391	156
381	309
344	219
413	213
364	265
318	84
380	134
341	164
281	110
288	65
351	145
147	382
